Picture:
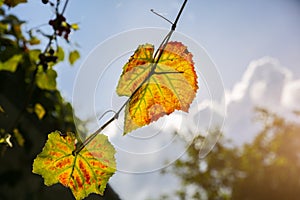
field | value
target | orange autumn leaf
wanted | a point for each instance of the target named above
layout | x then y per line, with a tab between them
85	173
170	85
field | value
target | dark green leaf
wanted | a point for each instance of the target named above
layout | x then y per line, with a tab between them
3	27
11	64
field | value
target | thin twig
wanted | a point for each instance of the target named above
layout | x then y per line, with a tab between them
65	6
57	6
152	10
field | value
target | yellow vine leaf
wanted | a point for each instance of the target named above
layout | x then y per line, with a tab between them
170	85
39	111
19	137
1	109
84	173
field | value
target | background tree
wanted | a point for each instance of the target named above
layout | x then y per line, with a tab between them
267	168
30	104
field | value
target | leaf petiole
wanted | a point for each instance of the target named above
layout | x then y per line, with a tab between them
152	10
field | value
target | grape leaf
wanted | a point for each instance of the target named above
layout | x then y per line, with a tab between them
73	56
46	79
1	109
171	86
19	137
39	111
11	64
13	3
86	172
75	26
60	53
6	140
34	41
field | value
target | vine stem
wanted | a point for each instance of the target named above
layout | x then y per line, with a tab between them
65	6
157	56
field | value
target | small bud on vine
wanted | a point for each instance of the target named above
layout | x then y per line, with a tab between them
45	59
42	57
45	1
51	52
60	26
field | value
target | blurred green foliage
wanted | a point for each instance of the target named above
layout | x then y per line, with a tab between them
266	168
25	83
31	107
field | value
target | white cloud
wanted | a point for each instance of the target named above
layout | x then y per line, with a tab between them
265	84
291	95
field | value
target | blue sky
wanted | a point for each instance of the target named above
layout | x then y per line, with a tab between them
234	34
